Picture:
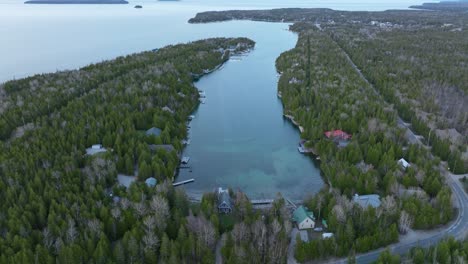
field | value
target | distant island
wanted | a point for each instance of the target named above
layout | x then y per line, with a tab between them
456	6
76	2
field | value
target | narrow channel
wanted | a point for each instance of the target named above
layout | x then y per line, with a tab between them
239	138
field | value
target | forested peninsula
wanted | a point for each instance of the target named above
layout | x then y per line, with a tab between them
63	204
395	81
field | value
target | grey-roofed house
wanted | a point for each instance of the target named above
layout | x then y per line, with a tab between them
154	131
365	201
224	201
168	148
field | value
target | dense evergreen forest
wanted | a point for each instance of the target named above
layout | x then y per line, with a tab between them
360	72
60	205
341	99
366	73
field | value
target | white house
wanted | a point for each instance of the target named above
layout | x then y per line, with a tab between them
96	146
403	163
303	218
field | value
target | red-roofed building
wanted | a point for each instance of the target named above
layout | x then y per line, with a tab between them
338	134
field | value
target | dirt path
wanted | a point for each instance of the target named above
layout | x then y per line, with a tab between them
292	246
219	246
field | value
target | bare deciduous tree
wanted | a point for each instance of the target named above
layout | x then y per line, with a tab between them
160	208
47	238
340	213
72	233
94	225
203	230
150	241
405	222
140	209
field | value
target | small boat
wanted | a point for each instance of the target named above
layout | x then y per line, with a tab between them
191	117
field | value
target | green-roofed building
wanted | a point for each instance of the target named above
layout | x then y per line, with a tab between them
303	218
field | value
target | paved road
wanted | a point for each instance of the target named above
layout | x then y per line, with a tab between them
292	246
457	228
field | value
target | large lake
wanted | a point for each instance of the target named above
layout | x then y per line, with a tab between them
239	138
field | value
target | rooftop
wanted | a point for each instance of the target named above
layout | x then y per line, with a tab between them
154	131
367	200
301	213
338	134
151	182
168	148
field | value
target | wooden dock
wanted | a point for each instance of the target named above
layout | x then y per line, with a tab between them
264	201
183	182
291	203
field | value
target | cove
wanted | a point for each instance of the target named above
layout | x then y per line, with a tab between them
239	138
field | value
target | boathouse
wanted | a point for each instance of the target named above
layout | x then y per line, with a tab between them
303	218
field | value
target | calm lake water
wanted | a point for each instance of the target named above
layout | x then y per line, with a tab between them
239	137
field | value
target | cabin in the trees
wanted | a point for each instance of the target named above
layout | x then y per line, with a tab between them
404	164
224	201
168	148
303	218
364	201
151	182
340	137
154	131
94	149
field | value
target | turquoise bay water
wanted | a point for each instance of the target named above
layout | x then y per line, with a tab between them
239	138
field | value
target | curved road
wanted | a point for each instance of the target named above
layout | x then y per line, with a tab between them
457	228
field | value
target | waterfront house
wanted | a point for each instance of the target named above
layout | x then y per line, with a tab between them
154	131
340	137
367	200
303	218
224	201
337	134
404	164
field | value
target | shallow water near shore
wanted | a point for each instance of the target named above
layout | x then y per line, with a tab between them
239	138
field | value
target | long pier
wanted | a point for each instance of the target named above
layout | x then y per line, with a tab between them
183	182
264	201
